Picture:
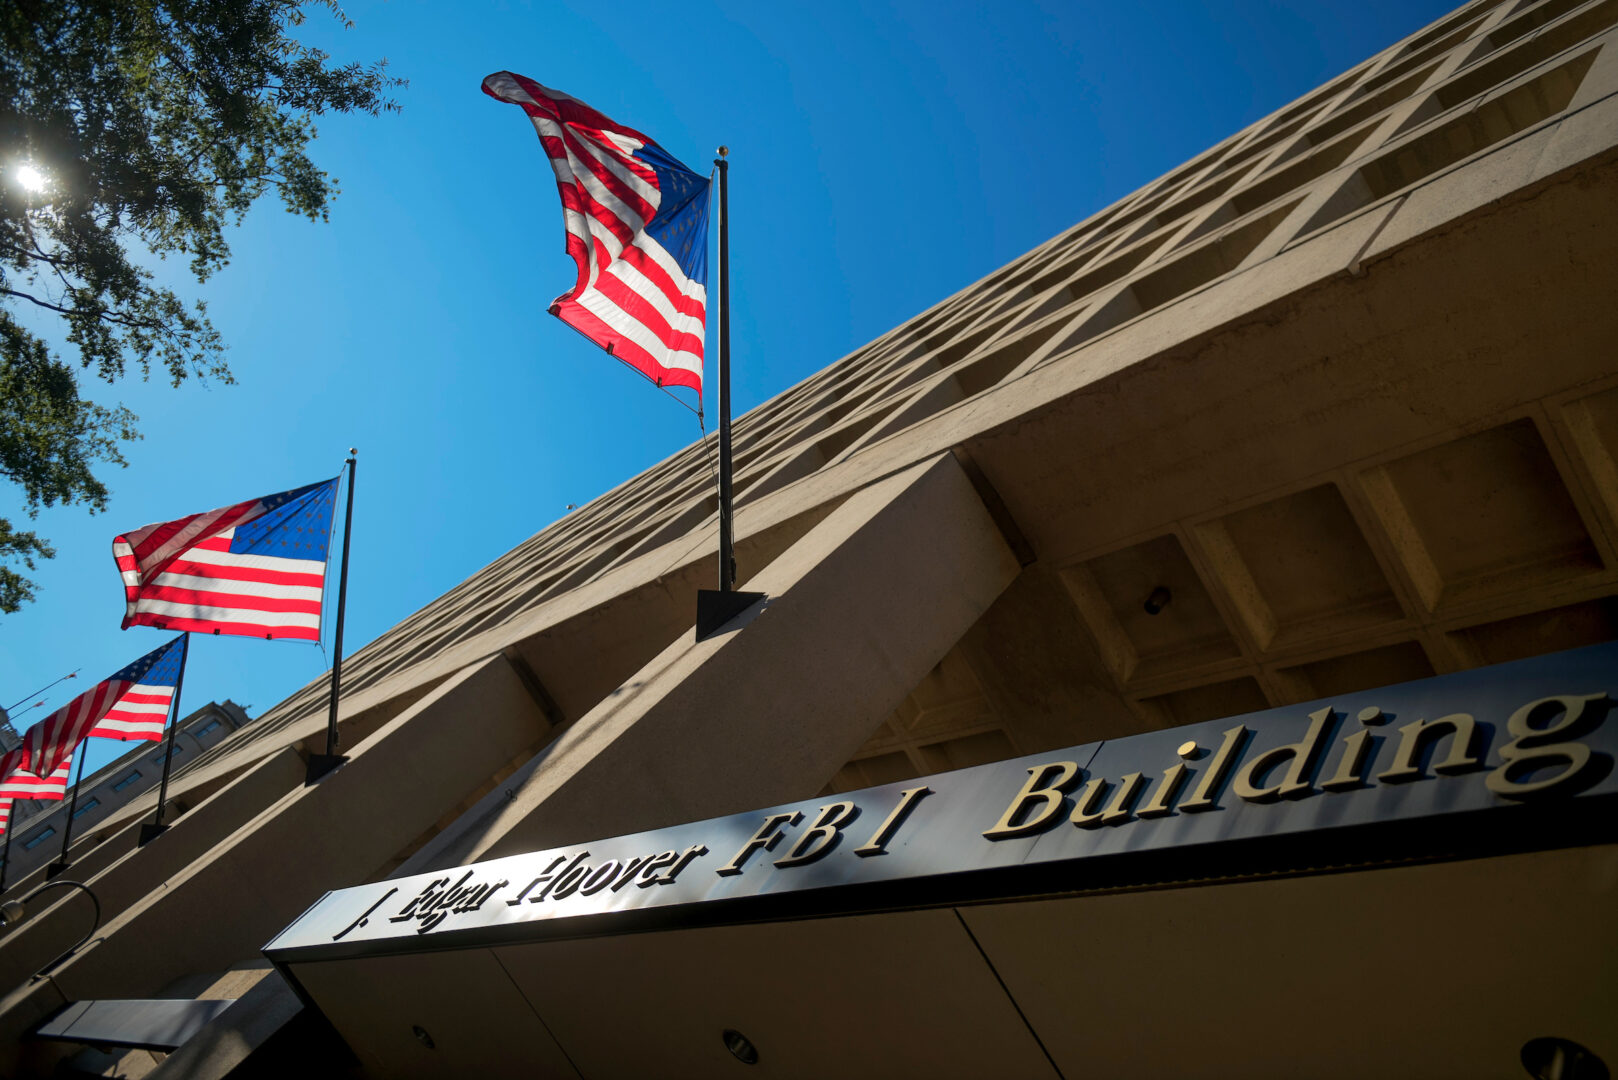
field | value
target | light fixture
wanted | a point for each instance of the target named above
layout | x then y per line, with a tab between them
1550	1058
15	911
1158	600
422	1037
740	1046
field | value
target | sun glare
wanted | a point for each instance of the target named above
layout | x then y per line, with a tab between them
30	178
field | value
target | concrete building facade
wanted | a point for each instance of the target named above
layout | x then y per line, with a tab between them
37	835
1330	409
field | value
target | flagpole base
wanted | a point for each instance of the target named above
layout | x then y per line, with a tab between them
320	765
715	609
150	832
56	869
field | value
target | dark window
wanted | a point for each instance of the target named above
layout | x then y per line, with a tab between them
126	781
38	838
205	728
86	806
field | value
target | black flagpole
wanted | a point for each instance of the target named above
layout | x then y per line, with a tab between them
321	764
156	828
715	608
67	828
5	856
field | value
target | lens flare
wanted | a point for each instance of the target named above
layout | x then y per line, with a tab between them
30	178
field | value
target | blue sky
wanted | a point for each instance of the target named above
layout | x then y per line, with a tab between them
884	155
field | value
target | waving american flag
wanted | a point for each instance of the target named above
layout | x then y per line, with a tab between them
130	704
254	569
637	226
22	785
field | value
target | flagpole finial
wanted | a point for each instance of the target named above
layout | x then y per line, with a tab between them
352	450
724	151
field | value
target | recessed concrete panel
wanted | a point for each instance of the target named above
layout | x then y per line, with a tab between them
1311	565
1492	512
1209	702
1542	632
1188	626
1384	666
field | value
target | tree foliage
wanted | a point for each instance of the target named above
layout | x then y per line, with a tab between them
131	128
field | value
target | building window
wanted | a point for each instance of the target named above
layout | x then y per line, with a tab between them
126	781
86	806
157	759
205	728
38	838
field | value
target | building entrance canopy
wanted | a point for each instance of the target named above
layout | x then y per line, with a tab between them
1509	758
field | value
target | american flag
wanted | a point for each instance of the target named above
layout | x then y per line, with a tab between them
130	704
255	569
21	785
637	225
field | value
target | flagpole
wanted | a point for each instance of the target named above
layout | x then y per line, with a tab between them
727	552
321	764
70	675
150	832
715	608
67	828
5	856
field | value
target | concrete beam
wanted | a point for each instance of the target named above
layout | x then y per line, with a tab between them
335	833
859	611
139	871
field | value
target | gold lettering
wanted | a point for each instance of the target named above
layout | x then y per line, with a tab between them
1167	788
1352	764
1218	769
1294	783
1123	801
1407	759
1040	789
1085	815
1085	807
878	843
821	836
766	838
1531	748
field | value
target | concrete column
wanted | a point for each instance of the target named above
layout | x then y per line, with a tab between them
858	611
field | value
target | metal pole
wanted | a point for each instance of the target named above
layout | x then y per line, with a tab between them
70	675
148	832
321	764
716	607
332	737
5	856
73	804
727	556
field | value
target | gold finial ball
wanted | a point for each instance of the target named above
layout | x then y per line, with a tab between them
724	151
351	450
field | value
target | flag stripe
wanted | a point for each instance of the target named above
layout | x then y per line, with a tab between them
209	621
27	786
219	600
170	585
